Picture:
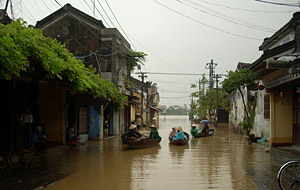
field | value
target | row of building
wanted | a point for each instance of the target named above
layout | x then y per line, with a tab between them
274	105
52	105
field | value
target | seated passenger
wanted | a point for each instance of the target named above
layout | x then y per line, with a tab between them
132	133
154	133
194	130
205	129
180	134
172	133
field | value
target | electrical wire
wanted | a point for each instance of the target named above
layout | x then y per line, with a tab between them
119	24
275	3
243	9
92	11
105	13
26	10
91	33
226	17
209	26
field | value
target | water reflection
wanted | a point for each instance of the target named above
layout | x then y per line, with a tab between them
222	161
177	153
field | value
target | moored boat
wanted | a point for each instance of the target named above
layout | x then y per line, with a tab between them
180	142
210	133
140	142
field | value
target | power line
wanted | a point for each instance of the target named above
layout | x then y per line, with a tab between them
92	11
119	23
105	13
243	9
156	73
57	2
275	3
226	17
212	27
91	33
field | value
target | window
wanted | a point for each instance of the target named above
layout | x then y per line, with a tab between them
267	106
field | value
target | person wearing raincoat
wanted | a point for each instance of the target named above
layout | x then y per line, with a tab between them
205	129
154	133
173	132
179	135
194	130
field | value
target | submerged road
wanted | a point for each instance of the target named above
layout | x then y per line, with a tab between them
223	161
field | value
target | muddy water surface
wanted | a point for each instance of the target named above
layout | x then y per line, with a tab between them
223	161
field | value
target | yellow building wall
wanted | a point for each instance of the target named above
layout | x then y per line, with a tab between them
281	110
51	112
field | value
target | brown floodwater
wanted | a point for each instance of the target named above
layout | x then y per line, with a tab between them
222	161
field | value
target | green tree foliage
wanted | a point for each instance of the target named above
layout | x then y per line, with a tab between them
177	110
238	79
137	58
207	100
235	80
24	51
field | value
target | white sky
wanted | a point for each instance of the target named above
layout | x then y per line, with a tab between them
175	43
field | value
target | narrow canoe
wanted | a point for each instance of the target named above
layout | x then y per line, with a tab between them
140	142
211	132
181	142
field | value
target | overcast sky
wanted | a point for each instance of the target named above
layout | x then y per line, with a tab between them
180	36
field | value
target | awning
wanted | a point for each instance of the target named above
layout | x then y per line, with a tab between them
154	108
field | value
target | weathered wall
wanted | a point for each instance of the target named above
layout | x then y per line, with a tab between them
281	117
51	112
68	28
133	113
261	126
236	112
115	130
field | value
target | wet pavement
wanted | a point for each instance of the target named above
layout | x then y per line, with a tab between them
222	161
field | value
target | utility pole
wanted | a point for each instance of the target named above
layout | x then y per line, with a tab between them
211	66
143	75
217	76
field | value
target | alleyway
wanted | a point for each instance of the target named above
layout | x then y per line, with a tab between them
223	161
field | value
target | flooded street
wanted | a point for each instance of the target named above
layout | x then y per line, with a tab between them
222	161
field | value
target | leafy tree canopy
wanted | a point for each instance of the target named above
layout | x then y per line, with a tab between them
207	100
137	58
237	79
25	51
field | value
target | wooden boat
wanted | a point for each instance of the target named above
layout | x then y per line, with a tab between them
140	142
211	132
180	142
124	138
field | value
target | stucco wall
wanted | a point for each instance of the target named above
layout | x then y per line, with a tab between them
261	126
236	112
51	112
116	125
282	115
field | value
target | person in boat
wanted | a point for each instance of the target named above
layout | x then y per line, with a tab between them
180	134
205	129
173	132
154	133
132	133
194	130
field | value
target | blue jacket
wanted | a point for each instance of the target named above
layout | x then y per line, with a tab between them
179	136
